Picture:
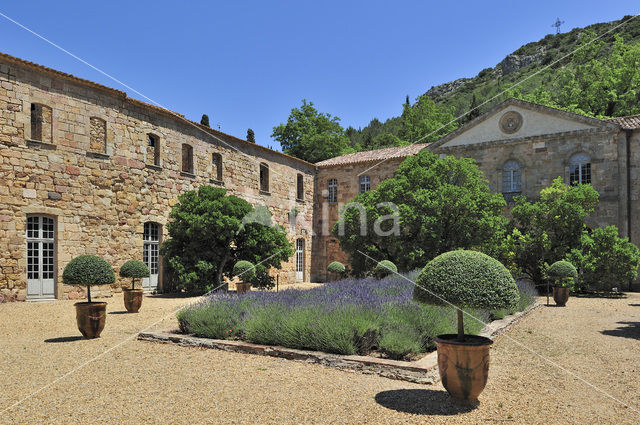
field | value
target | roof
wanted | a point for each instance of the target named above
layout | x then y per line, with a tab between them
375	155
630	122
210	131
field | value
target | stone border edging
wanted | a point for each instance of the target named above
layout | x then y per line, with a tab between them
423	371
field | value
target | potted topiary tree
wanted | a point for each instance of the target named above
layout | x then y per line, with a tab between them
88	270
383	269
465	279
563	274
134	269
336	270
245	271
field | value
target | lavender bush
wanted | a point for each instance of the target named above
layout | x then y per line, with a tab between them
345	317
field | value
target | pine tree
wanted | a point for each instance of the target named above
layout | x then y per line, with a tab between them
406	100
251	136
474	111
205	120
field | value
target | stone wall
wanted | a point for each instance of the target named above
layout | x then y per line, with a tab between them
101	196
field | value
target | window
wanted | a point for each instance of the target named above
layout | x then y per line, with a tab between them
511	177
41	123
580	169
41	242
216	161
332	187
365	184
187	158
153	150
300	187
264	177
97	135
151	254
300	259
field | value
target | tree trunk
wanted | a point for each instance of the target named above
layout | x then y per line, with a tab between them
133	283
460	325
89	293
220	271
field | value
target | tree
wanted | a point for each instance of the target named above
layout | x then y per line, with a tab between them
474	110
605	260
251	136
205	120
430	206
426	121
312	135
88	270
545	231
210	231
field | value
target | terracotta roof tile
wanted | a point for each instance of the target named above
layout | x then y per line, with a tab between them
631	122
375	155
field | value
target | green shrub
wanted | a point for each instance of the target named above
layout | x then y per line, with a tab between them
563	273
135	269
466	279
262	278
244	270
336	267
88	270
383	269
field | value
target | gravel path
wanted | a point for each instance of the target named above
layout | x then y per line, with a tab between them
141	382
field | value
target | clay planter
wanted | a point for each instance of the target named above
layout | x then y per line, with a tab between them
463	365
132	299
560	295
90	318
242	288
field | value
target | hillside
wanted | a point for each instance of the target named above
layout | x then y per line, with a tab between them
527	62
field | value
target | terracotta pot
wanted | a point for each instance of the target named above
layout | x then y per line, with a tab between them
132	299
463	365
242	288
560	295
90	318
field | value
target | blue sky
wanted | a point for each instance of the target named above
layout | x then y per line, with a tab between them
247	63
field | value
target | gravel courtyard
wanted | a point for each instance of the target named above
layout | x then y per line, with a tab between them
141	382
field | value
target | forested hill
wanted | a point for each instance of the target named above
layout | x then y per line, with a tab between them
554	86
601	79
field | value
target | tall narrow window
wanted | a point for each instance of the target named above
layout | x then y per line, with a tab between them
97	135
150	254
153	150
300	187
580	169
41	123
332	187
264	177
365	184
41	243
300	259
511	177
216	162
187	158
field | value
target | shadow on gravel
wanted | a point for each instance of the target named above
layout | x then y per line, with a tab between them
421	402
118	312
64	339
634	305
630	330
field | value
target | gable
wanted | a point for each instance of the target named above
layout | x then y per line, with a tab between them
517	120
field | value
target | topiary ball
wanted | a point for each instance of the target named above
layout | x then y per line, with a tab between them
88	270
244	270
561	270
134	269
466	279
383	269
336	267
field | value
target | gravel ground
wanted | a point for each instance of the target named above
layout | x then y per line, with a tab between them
141	382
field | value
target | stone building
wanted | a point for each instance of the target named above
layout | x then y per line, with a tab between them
521	147
86	169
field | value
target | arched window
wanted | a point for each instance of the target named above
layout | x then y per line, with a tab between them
97	135
41	123
264	177
365	184
511	177
580	169
332	188
300	187
153	150
216	162
187	158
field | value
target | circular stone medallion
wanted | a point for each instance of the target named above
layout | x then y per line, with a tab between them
510	122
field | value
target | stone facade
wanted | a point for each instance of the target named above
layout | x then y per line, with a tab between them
95	177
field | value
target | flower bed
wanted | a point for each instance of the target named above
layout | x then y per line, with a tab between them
346	317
